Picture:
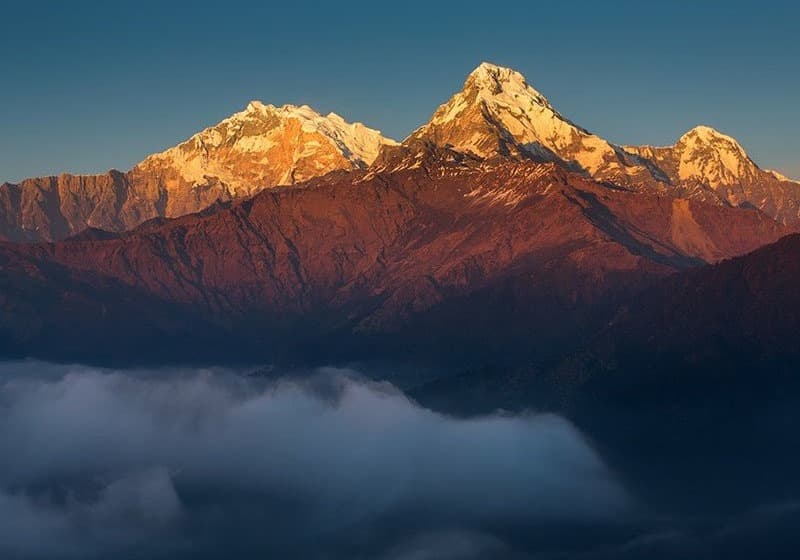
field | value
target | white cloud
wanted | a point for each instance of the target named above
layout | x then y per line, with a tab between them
97	461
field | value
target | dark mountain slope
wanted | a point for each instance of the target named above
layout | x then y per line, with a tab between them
692	390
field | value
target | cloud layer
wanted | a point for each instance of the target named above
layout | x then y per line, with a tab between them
172	463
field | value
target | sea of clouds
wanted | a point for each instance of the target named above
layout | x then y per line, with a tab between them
210	463
172	462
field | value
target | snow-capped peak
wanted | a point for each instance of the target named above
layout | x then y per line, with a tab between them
501	89
714	158
266	145
710	165
491	80
256	106
493	71
704	134
498	113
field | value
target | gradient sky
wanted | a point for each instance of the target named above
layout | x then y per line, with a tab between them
87	86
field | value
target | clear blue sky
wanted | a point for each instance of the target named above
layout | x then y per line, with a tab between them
88	86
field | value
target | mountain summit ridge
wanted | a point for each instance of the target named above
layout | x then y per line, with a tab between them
496	114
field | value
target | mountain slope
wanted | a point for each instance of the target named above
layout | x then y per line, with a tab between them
260	147
701	370
433	236
728	329
743	313
691	389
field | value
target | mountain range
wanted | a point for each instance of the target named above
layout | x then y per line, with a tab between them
280	231
496	114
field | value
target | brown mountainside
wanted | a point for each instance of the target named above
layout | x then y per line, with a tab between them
376	250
